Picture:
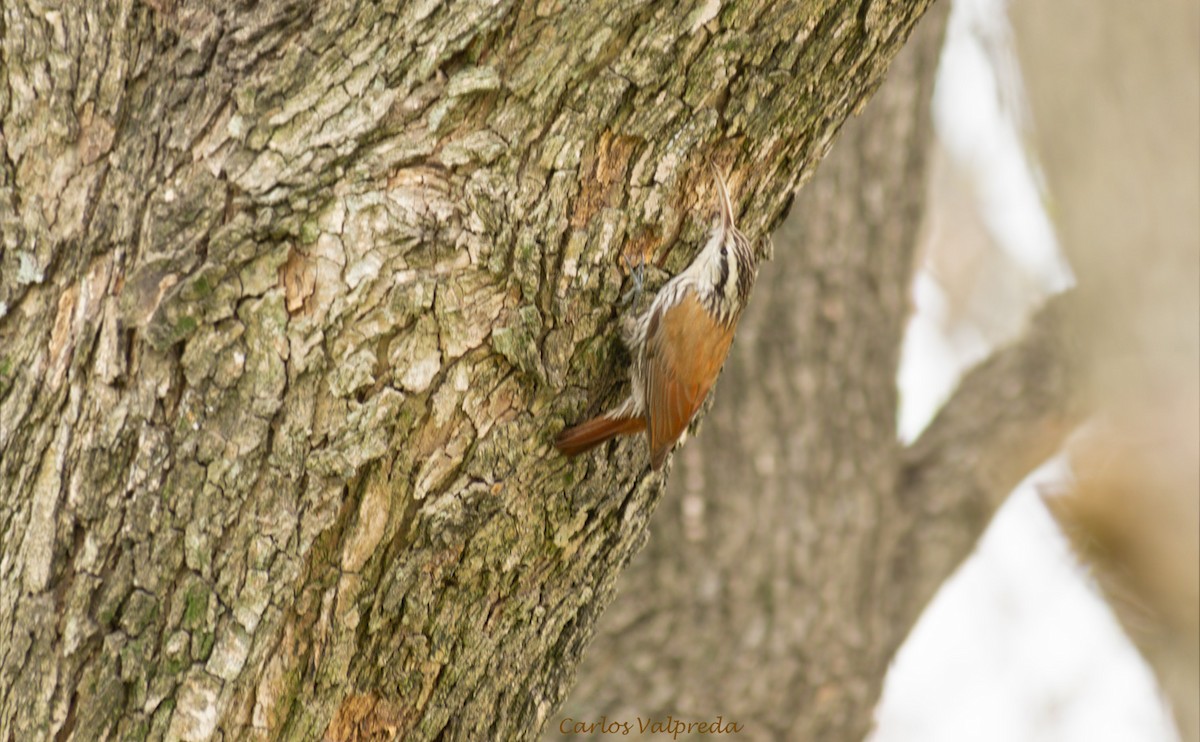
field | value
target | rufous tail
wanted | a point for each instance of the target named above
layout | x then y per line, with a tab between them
588	435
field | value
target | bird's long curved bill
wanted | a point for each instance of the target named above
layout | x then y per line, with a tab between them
726	206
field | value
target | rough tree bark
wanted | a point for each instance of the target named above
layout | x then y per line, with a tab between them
292	299
800	540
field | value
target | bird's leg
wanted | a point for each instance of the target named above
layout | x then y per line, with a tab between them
638	274
630	320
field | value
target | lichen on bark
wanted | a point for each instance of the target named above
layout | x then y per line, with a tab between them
292	300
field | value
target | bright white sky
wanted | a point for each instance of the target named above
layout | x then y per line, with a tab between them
1018	646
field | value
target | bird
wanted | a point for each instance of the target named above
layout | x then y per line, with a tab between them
679	344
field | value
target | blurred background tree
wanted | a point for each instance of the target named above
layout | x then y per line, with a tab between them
1116	121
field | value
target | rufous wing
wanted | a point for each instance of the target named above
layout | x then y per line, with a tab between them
685	350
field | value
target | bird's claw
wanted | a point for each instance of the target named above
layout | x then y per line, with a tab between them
637	273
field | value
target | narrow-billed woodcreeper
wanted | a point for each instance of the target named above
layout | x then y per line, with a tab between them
679	344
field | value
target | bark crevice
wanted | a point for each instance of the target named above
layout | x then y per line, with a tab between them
316	274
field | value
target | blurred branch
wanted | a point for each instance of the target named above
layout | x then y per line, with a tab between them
1008	415
1131	515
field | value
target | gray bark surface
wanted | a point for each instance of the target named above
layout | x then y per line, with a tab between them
293	299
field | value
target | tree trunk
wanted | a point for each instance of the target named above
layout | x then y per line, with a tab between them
1117	114
800	540
293	298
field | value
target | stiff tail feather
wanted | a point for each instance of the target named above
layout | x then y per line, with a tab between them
588	435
